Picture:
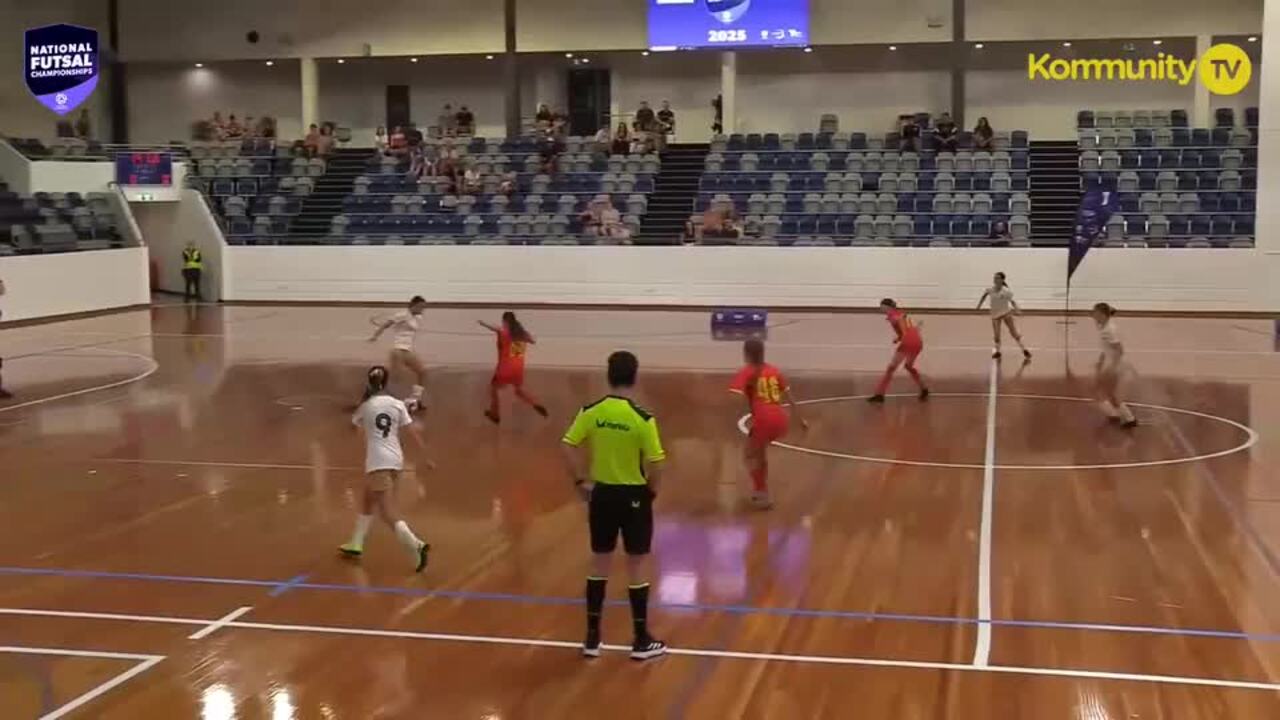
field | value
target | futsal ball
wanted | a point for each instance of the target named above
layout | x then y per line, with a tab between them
727	11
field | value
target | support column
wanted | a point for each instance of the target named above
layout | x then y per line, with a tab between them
1201	115
310	79
729	90
1267	76
959	63
511	69
117	83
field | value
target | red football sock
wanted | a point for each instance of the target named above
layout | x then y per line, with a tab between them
915	375
760	477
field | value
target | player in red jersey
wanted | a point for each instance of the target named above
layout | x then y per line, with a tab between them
513	342
765	388
909	341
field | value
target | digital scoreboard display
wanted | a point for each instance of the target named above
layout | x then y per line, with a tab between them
144	168
728	24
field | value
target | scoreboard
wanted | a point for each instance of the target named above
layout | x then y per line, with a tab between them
144	168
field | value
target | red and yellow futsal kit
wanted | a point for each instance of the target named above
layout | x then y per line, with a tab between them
764	386
910	345
511	352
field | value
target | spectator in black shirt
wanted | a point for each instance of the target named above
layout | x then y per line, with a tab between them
1000	235
466	121
646	121
543	116
945	131
909	135
717	123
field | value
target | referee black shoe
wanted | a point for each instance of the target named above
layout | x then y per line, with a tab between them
646	648
591	646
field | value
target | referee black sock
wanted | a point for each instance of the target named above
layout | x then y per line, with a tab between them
639	595
595	603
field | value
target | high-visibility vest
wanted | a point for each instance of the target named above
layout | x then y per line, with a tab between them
191	259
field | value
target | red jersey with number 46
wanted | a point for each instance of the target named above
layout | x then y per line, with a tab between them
765	393
511	354
908	334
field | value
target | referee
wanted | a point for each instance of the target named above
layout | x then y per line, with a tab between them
625	457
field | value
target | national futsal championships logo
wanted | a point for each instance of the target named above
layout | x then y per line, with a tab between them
61	68
1225	69
727	11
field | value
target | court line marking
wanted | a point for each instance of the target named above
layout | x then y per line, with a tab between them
982	644
220	623
153	366
1068	673
144	663
288	585
427	593
1251	438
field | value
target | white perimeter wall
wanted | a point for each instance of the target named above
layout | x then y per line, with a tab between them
1189	280
47	285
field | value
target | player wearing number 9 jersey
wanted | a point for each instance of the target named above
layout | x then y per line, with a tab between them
765	388
382	418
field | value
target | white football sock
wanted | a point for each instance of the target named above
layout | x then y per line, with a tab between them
362	528
406	536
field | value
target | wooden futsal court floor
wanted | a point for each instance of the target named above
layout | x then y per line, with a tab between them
176	481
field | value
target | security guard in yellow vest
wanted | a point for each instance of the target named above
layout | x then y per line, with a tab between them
192	266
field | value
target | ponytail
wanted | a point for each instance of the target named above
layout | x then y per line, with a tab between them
518	333
375	382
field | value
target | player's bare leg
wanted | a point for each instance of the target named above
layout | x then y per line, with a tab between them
995	333
757	464
1017	336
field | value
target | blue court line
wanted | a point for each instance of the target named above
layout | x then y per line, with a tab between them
693	607
284	587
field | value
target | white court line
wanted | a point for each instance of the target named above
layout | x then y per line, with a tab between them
1250	440
1066	673
151	370
982	646
145	663
235	465
220	623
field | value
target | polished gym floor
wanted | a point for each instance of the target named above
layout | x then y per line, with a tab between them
176	480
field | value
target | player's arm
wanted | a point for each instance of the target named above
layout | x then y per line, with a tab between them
575	456
983	299
1014	304
652	455
486	326
382	327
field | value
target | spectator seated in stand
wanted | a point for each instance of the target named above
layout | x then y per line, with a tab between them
234	130
909	134
447	122
544	116
984	138
324	142
1000	235
311	142
621	140
380	140
666	119
398	145
945	132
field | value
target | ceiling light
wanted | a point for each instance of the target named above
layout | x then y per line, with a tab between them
586	60
199	64
1253	38
893	47
568	55
488	57
341	61
413	59
808	49
979	46
269	63
1066	44
644	53
1157	42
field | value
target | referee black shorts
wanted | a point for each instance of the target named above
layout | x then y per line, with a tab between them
625	510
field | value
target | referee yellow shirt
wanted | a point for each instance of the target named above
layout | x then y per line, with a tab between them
621	435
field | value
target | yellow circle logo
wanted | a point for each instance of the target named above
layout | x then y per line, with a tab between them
1225	69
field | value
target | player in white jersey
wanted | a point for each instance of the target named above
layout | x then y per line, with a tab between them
4	394
406	324
382	417
1110	365
1003	308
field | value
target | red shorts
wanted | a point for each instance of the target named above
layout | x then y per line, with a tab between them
767	428
909	352
505	376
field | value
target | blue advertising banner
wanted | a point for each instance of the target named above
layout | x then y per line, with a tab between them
1096	208
61	68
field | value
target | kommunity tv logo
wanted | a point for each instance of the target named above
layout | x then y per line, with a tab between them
1225	69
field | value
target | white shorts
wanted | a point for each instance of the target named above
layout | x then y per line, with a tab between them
1001	316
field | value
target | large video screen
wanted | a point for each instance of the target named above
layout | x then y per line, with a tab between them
687	24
